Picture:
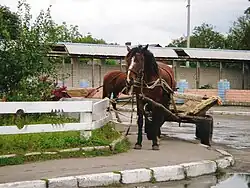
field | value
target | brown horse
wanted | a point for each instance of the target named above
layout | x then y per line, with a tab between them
152	80
114	82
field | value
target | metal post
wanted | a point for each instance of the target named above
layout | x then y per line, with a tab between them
72	71
243	75
100	74
198	75
63	62
174	64
93	69
121	64
188	28
220	73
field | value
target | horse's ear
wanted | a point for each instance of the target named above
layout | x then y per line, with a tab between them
145	48
128	48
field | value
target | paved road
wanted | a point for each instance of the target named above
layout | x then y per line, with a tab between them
172	152
230	130
233	131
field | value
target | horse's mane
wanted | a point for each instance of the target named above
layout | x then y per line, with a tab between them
150	62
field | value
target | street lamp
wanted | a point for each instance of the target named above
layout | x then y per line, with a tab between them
188	28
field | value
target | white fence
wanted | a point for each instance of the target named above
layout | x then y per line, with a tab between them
93	115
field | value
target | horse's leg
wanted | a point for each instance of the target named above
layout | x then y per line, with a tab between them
148	120
158	121
139	102
166	104
155	132
114	107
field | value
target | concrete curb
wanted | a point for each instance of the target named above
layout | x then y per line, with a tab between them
90	148
154	174
110	147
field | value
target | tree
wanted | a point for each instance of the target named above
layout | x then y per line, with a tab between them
239	34
89	39
9	24
22	61
203	36
247	11
72	34
67	34
180	42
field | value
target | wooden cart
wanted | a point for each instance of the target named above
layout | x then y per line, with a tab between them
192	111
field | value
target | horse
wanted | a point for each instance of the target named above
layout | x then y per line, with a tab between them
114	82
154	80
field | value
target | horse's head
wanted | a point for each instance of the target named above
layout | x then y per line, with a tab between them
135	62
140	62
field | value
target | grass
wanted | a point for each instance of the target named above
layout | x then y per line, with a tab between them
40	142
220	172
20	159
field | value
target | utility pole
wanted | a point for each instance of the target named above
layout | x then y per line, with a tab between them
188	28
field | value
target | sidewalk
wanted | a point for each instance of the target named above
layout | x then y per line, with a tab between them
171	152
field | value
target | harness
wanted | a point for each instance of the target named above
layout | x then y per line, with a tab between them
159	82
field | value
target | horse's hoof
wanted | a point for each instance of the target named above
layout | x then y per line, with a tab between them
119	120
137	146
155	147
158	140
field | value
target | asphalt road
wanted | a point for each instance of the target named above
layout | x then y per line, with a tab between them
231	133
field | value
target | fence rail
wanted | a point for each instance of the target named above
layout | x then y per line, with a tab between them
93	115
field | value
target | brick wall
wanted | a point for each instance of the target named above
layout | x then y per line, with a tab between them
232	95
238	95
202	92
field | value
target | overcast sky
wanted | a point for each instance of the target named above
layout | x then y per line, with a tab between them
138	21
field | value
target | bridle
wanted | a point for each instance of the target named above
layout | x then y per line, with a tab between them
139	80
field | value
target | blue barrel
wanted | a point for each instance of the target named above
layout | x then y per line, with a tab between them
223	86
84	83
181	85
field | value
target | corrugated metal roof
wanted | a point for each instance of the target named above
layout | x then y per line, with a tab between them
119	51
113	50
213	54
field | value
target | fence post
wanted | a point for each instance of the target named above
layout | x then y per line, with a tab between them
86	117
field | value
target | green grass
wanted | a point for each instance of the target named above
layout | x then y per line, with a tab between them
23	143
40	142
20	159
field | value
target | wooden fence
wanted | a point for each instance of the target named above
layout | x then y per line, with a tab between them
93	115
